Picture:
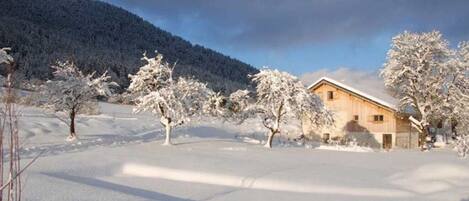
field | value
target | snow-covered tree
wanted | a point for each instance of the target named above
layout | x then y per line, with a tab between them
239	100
415	71
174	101
5	58
462	129
282	97
72	92
456	104
216	105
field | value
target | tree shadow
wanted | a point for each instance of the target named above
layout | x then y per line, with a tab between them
211	134
110	140
353	130
115	187
115	140
201	141
207	132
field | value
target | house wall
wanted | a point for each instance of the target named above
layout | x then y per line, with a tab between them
345	105
406	135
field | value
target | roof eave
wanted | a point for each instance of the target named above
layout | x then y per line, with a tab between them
354	91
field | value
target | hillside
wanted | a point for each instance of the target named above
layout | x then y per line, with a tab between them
99	36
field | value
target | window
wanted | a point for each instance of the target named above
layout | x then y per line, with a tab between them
378	117
330	95
355	117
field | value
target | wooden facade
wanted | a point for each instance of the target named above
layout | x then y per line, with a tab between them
371	122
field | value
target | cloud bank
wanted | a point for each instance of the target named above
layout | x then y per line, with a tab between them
282	24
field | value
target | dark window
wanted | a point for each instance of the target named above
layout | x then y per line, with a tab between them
330	95
378	117
355	117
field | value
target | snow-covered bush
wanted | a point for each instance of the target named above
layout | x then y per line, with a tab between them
31	85
216	105
281	97
462	127
174	101
240	100
462	145
71	92
123	98
236	107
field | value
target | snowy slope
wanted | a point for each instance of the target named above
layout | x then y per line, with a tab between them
120	157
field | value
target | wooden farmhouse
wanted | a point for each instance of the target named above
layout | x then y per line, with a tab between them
358	115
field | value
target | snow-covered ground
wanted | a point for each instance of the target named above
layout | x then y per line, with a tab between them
120	157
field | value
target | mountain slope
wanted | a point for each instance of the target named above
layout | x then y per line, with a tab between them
99	37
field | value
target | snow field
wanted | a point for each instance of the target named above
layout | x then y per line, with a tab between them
120	158
251	182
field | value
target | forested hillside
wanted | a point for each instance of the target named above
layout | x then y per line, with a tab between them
99	36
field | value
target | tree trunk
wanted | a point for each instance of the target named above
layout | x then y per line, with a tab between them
167	125
270	138
268	144
423	138
275	128
167	140
73	135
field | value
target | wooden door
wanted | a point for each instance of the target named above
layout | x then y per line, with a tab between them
387	141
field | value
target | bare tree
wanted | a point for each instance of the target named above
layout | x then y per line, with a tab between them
9	135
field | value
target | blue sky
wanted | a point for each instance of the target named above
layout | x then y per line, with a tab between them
303	36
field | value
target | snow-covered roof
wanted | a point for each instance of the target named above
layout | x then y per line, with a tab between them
377	96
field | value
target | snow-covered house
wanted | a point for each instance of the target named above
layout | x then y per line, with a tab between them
368	116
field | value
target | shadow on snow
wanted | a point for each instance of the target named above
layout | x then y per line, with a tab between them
115	187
